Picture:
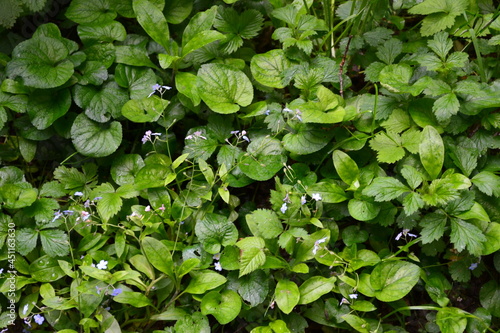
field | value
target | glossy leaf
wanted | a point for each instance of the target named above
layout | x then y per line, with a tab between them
136	299
204	281
269	68
392	280
95	139
152	20
287	295
315	287
346	167
224	306
431	151
148	109
158	255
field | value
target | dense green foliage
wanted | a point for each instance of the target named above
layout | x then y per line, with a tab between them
252	166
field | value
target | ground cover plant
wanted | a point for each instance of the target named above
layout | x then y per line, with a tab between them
250	166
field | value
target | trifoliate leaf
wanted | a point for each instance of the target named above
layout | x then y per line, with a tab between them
237	26
445	107
440	44
95	139
42	62
385	189
388	146
465	235
264	223
42	209
488	183
223	88
441	14
433	226
439	192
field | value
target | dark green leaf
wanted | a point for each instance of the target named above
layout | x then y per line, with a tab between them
385	188
95	139
158	255
214	231
392	280
224	306
100	104
44	108
433	226
431	151
466	235
152	20
26	240
264	157
91	12
55	242
204	281
104	32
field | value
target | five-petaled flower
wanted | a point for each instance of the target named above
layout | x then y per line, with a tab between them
316	196
218	266
148	136
405	232
284	208
103	264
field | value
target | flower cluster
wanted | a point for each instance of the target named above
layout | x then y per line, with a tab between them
159	88
148	136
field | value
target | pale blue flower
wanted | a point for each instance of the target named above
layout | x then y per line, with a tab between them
303	200
116	292
284	208
473	266
68	212
78	194
148	136
316	244
405	232
159	88
353	296
57	215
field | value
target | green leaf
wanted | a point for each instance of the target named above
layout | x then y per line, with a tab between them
133	56
392	280
177	11
306	139
363	210
44	108
200	143
385	189
46	269
100	104
91	12
451	320
398	121
136	299
224	306
152	20
264	157
214	231
325	111
252	254
269	68
412	176
95	139
433	226
431	151
264	223
125	168
223	88
315	287
363	306
489	296
287	295
445	107
204	281
186	84
103	32
358	323
492	234
109	205
41	62
329	192
26	239
148	109
139	81
17	195
55	242
441	14
158	255
390	50
488	183
200	22
42	209
388	146
396	78
201	39
465	235
193	323
253	288
346	167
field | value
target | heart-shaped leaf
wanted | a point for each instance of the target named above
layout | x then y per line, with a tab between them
392	280
95	139
224	306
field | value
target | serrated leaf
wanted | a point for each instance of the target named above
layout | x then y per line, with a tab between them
269	68
55	242
42	63
412	202
152	20
388	146
390	50
488	183
90	12
26	239
385	189
398	121
95	139
252	254
287	295
392	280
42	209
431	151
246	25
214	231
109	205
440	44
264	223
445	107
465	235
223	88
433	226
253	288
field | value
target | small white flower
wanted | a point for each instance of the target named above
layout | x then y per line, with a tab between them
353	296
216	256
148	136
25	309
218	266
78	194
103	264
159	88
316	196
148	208
303	200
1	270
196	135
287	110
316	244
284	208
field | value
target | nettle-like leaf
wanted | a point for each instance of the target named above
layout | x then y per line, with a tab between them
390	50
223	88
441	14
385	189
487	182
252	254
237	26
466	235
42	62
433	226
214	231
264	223
264	157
